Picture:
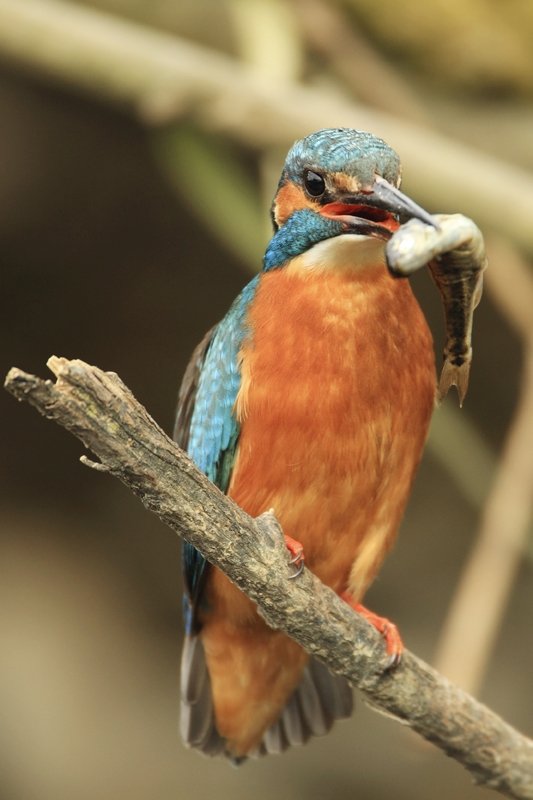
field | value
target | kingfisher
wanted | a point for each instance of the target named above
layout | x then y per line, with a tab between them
312	397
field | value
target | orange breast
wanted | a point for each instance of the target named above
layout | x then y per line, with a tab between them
338	389
338	385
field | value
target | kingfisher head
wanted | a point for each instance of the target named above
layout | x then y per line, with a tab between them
337	184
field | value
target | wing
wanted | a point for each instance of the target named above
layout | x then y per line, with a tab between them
193	563
188	391
206	425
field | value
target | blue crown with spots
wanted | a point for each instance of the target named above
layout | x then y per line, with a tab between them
353	152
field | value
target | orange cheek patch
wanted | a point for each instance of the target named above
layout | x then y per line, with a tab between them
290	198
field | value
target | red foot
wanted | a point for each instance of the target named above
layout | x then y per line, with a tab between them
388	630
296	550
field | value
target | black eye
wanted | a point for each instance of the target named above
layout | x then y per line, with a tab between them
314	183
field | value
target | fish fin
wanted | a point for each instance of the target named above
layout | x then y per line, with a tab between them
454	375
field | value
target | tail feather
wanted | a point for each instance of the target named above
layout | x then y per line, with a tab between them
319	700
313	712
197	718
296	727
274	739
194	675
334	691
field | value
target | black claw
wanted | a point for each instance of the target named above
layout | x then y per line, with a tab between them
299	568
393	661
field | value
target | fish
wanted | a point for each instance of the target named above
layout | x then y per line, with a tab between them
454	252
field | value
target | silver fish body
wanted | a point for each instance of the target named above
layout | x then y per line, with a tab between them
454	252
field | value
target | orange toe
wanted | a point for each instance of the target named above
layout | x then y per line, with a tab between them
389	631
296	550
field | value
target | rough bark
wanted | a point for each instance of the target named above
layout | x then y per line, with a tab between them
101	411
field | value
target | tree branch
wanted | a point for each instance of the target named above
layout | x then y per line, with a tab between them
101	411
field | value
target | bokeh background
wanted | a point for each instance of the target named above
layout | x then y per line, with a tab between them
140	144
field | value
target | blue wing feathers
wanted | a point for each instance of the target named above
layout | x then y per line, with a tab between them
214	428
214	431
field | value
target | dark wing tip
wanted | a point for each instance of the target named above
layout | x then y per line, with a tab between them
197	720
188	389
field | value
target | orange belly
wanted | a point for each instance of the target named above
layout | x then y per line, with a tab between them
338	386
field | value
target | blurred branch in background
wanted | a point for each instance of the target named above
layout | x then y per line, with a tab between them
352	58
206	172
452	433
472	45
102	412
481	598
163	78
259	23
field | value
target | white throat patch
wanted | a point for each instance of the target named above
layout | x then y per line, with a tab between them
348	251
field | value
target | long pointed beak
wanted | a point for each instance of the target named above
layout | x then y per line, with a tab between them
376	211
388	198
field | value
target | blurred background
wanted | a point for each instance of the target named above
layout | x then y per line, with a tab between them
140	144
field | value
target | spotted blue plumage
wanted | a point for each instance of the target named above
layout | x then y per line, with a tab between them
302	230
351	152
214	430
343	150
